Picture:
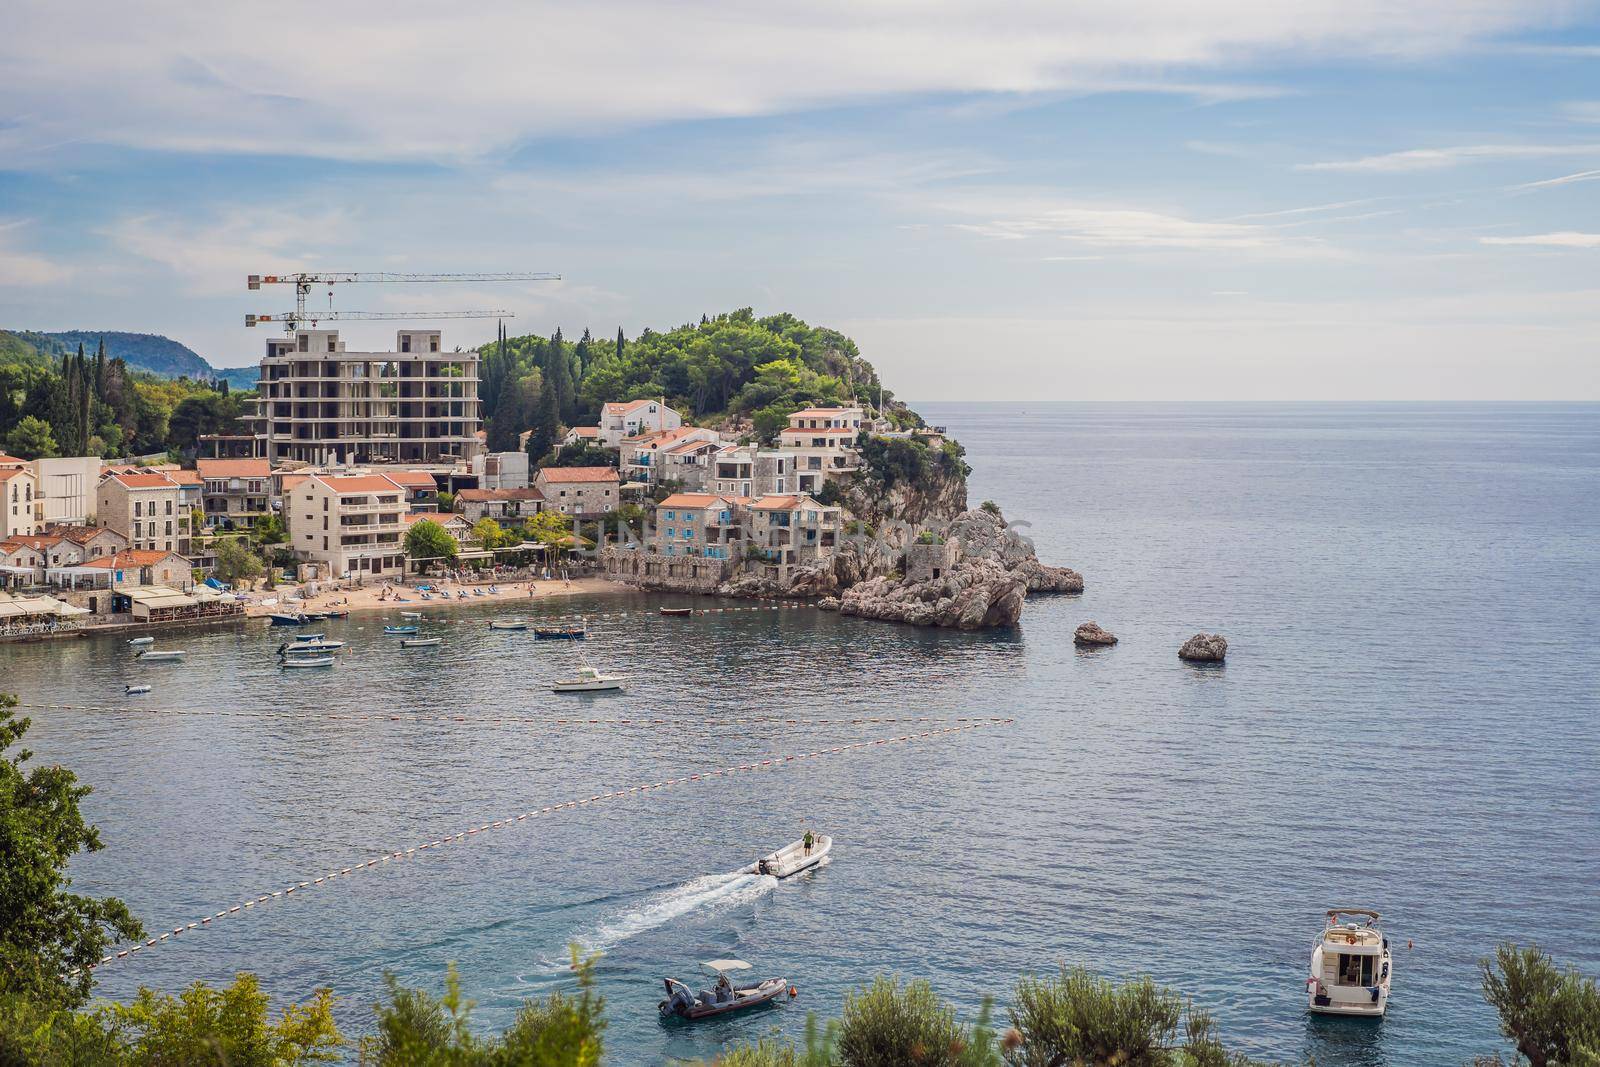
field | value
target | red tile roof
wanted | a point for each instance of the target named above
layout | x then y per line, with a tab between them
824	413
693	500
186	477
12	461
412	479
8	473
480	495
143	557
578	474
144	481
622	407
233	468
357	483
585	431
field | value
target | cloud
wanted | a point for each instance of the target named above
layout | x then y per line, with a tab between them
1416	159
1561	239
212	255
1003	217
377	80
26	269
1565	179
1582	110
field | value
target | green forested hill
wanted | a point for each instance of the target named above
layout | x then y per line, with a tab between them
733	364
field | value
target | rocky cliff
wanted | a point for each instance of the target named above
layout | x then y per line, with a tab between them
984	535
936	496
974	595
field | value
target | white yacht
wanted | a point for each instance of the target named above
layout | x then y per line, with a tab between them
589	680
1350	965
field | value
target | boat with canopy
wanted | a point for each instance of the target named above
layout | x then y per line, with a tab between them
724	996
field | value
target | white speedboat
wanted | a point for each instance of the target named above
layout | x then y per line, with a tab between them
421	642
411	614
723	996
508	624
306	661
792	858
134	690
307	648
154	655
141	641
1351	965
589	680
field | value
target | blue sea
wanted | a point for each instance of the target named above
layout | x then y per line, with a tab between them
1409	719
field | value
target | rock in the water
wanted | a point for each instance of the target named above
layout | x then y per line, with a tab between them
1093	634
1204	648
828	603
974	595
983	534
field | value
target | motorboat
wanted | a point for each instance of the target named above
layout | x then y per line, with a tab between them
306	661
508	624
284	618
421	642
342	613
309	637
411	614
139	641
399	629
793	858
1351	965
589	680
306	648
723	997
134	690
167	654
677	611
560	633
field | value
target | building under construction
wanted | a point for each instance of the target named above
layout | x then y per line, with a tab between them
322	404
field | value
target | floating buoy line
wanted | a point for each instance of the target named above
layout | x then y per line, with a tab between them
535	720
510	821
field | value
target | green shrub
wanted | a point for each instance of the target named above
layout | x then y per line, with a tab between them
1552	1015
1079	1018
890	1025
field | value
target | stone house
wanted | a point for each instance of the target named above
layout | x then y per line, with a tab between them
581	492
501	505
234	493
697	524
143	507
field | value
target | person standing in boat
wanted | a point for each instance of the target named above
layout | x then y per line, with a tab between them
808	840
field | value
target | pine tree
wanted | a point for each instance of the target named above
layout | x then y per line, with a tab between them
546	426
622	342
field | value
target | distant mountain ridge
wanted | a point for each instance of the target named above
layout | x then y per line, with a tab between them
153	352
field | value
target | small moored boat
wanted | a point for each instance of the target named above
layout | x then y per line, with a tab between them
342	613
1350	965
399	629
411	614
284	618
137	641
307	648
560	633
792	858
309	637
507	624
421	642
306	661
677	611
589	680
134	690
723	996
166	654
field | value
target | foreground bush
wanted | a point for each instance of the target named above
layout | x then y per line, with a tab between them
1552	1015
417	1028
887	1025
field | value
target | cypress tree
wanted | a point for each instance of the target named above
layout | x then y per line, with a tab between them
622	342
546	426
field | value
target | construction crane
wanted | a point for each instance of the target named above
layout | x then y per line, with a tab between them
304	281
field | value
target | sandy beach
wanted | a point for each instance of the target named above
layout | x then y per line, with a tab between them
371	598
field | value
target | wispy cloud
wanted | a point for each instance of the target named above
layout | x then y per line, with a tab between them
1416	159
212	255
1582	110
1561	239
22	268
1116	228
363	94
1565	179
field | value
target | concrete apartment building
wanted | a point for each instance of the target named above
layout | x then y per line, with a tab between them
501	470
18	517
582	492
631	418
66	489
323	404
234	492
350	524
145	508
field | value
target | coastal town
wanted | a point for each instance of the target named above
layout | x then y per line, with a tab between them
359	469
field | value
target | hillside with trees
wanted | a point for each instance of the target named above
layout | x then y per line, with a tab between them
76	404
152	352
733	366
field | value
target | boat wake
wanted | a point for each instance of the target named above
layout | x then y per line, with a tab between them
711	891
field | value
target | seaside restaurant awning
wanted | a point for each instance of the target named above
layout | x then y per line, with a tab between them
18	607
156	601
78	577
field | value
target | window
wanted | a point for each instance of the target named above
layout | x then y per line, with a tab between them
405	342
671	515
137	508
304	343
433	344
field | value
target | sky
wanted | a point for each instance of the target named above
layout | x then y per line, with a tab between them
1101	200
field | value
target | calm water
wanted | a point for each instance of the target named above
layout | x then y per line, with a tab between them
1407	720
